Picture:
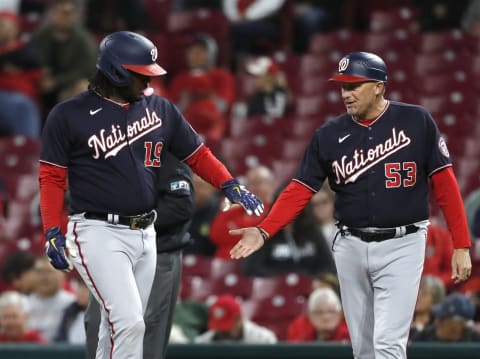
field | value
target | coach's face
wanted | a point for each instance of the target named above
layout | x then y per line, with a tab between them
361	99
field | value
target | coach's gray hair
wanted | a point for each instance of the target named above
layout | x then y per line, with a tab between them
436	288
13	298
323	295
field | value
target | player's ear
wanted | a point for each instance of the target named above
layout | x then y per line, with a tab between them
379	88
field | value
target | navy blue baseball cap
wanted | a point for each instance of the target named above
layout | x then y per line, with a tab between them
455	304
361	67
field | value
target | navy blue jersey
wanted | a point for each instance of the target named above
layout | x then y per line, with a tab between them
379	172
110	150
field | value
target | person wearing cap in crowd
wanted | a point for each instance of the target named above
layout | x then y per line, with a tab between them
271	94
381	158
20	78
453	321
204	92
226	323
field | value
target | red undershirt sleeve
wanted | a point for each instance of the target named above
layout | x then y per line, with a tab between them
208	167
448	197
288	205
53	183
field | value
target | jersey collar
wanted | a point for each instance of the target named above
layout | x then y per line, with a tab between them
371	122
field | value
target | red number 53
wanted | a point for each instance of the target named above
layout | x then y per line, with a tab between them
394	171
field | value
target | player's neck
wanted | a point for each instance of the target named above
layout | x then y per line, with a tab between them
373	113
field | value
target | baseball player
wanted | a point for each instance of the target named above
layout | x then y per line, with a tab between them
109	140
378	158
174	212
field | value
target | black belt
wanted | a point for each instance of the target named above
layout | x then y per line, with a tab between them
381	234
140	221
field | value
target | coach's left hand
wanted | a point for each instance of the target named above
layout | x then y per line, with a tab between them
251	241
461	265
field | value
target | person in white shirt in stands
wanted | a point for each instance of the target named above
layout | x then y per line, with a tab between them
226	324
49	299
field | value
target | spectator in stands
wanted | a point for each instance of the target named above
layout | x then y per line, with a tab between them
322	208
260	181
204	92
326	280
20	76
68	52
312	16
255	25
226	324
299	247
452	321
431	292
49	300
190	319
476	224
18	271
72	328
471	18
438	254
13	319
323	322
110	16
188	5
271	95
438	15
207	203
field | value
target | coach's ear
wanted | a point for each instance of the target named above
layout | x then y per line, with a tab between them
379	86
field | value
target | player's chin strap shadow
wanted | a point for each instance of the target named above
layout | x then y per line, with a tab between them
342	230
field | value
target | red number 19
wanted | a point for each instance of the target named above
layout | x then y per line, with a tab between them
157	151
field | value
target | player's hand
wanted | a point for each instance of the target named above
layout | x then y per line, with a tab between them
251	241
461	265
55	247
235	193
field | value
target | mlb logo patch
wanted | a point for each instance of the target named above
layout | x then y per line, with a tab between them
178	185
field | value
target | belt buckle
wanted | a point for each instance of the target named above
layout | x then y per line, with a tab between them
135	223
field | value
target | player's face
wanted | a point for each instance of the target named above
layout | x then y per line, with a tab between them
361	99
134	92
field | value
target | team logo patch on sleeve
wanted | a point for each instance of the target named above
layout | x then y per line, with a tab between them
442	146
178	185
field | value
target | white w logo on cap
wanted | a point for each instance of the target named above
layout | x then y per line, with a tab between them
154	53
343	64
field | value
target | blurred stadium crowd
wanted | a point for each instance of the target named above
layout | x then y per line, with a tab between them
251	78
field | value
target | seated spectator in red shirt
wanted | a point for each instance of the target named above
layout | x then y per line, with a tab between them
13	320
323	322
209	89
438	254
261	182
20	75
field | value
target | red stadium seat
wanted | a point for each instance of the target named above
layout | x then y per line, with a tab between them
20	145
336	43
21	186
453	40
392	20
295	284
401	41
232	283
194	265
275	312
221	267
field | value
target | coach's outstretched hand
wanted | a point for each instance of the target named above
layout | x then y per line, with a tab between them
252	240
55	247
235	193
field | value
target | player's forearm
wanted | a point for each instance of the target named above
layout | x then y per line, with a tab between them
52	190
208	167
288	205
448	197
